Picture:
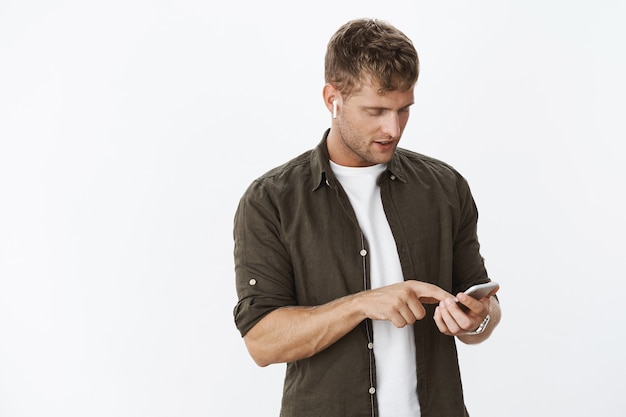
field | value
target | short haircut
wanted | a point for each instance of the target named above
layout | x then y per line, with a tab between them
370	50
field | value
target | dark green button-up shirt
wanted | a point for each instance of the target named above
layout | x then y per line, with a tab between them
298	242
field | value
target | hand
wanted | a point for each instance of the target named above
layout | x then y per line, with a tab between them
401	303
453	321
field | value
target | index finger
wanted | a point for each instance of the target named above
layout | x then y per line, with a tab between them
429	293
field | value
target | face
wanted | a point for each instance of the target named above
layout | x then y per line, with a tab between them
368	126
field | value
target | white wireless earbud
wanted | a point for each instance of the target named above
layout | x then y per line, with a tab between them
334	109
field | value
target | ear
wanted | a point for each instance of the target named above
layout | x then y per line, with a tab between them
330	94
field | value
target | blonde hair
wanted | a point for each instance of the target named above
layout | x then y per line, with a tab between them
369	50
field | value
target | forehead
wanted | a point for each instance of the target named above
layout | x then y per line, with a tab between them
370	95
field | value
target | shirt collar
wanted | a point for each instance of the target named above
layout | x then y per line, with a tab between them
323	174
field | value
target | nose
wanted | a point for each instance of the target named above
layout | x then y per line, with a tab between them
391	125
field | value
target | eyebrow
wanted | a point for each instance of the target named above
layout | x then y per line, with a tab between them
387	108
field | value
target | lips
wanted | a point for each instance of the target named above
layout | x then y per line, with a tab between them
384	143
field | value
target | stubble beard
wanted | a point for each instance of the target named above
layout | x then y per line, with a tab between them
363	153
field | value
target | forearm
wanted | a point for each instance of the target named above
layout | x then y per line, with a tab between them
495	314
292	333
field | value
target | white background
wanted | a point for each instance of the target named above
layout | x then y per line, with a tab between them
129	130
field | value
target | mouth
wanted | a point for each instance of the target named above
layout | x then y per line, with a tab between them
384	143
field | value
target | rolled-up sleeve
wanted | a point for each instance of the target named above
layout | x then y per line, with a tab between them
468	264
263	271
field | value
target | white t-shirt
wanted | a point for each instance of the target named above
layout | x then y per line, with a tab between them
394	348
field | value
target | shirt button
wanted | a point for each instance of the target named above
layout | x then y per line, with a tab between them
252	281
370	346
372	390
363	252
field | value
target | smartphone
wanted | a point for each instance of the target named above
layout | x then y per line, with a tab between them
480	291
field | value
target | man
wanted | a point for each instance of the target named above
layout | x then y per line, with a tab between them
347	257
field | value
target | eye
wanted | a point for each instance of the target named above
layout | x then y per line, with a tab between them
374	112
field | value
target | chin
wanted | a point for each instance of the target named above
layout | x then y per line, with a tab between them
383	159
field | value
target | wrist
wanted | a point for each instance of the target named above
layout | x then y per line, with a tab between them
481	327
